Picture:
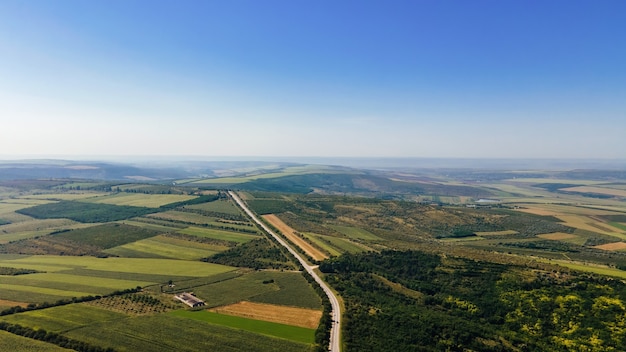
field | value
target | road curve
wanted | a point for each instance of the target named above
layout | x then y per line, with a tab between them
335	330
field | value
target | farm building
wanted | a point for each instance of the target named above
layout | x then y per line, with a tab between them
189	299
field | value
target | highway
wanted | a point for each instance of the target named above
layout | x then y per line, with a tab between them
335	331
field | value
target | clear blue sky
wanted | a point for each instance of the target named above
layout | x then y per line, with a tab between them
501	79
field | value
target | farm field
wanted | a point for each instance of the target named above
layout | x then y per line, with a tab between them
291	235
287	332
305	318
355	233
161	246
11	342
218	206
181	216
219	234
597	189
169	332
140	200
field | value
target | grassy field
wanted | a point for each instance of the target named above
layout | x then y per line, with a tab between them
140	199
169	332
161	246
218	234
65	196
355	232
341	245
218	206
63	318
287	332
123	265
108	235
323	244
182	216
10	342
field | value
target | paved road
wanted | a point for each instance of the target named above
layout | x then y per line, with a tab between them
335	331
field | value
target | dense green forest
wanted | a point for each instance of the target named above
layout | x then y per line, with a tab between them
411	300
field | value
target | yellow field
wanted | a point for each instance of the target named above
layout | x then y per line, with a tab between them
291	235
599	190
140	199
557	236
306	318
616	246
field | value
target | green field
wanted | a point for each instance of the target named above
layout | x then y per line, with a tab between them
140	199
63	318
288	332
108	235
342	244
161	246
10	342
182	216
218	206
355	232
169	332
124	265
219	234
293	290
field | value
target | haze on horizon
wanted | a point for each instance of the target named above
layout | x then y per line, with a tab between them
454	79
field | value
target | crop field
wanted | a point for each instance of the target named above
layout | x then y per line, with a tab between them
293	290
597	190
182	216
290	234
11	342
166	247
616	246
162	228
169	332
84	212
107	235
287	332
61	281
306	318
355	233
65	196
558	236
219	234
123	265
63	318
140	200
218	206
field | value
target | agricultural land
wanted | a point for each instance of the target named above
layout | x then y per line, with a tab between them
423	260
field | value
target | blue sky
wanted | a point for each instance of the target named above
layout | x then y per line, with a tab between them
494	79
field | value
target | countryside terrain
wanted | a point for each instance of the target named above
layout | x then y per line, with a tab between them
423	259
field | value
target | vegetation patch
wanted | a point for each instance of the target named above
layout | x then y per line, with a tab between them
293	290
133	304
85	212
257	254
283	331
537	309
306	318
5	270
